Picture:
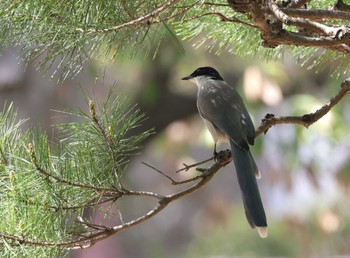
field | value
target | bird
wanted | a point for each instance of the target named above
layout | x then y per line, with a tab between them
227	119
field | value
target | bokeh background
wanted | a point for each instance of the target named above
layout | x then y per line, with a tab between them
305	172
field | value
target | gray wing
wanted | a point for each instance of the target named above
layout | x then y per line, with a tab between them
221	104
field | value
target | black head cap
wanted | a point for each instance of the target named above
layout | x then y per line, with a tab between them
204	71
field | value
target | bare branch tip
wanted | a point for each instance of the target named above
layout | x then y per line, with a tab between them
185	168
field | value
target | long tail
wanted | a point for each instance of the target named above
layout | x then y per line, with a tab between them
246	171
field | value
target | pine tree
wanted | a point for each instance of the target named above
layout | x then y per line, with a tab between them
48	186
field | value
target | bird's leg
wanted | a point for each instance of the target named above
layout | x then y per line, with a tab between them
215	153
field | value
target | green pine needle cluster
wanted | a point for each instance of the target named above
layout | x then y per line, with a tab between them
45	187
60	36
216	36
63	35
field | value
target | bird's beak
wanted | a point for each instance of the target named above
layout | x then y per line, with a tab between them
187	77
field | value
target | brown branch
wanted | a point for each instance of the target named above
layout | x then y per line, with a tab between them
86	205
125	7
297	39
222	160
307	119
232	19
216	4
100	232
269	18
61	180
179	13
275	36
92	203
317	14
185	168
222	17
159	171
300	22
136	22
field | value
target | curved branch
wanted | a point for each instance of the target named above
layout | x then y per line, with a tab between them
271	19
223	158
296	21
61	180
99	233
307	119
317	14
222	17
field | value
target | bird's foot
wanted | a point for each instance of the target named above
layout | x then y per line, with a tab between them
222	155
216	156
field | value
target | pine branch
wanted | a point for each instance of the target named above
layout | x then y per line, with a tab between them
143	20
50	176
87	173
97	233
222	17
71	34
310	33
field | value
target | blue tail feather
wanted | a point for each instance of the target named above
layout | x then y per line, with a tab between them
246	171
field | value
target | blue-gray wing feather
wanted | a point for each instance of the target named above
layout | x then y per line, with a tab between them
221	104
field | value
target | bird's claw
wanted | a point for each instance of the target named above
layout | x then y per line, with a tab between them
216	156
219	156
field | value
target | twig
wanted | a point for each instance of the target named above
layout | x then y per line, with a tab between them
216	4
187	167
92	225
307	119
61	180
134	22
142	193
84	206
124	5
94	202
222	18
179	13
160	172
